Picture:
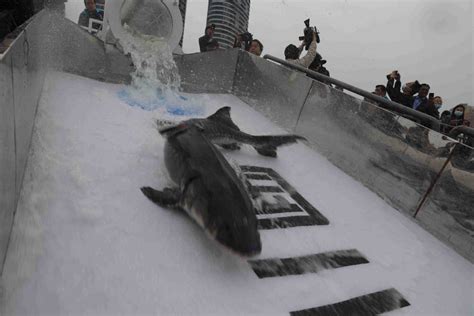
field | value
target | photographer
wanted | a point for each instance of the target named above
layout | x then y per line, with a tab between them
246	42
243	41
292	53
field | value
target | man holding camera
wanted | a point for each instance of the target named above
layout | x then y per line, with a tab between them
292	53
246	42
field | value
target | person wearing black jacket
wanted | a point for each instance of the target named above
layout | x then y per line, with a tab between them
405	96
206	42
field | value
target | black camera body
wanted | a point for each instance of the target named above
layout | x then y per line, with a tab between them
308	34
247	39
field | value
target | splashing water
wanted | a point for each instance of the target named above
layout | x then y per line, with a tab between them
155	80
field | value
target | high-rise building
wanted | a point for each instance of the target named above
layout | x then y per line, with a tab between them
231	17
182	8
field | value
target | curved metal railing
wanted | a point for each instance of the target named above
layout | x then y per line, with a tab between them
396	107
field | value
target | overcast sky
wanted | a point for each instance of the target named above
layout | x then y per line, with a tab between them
363	40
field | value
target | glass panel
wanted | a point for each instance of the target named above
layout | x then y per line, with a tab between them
7	155
212	72
449	210
392	156
275	91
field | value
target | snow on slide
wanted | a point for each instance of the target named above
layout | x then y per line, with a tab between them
87	241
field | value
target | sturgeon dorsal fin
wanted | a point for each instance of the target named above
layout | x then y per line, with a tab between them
222	116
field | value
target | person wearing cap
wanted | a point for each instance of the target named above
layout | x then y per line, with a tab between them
318	66
292	53
206	42
90	12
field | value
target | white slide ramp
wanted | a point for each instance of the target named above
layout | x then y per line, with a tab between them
86	241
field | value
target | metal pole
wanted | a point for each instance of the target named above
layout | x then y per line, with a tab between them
434	182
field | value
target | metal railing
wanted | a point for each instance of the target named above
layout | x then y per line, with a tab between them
390	105
89	28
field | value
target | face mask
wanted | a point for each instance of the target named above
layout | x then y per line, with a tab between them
458	113
438	106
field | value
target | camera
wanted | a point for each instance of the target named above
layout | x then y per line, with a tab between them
308	34
395	72
245	38
416	86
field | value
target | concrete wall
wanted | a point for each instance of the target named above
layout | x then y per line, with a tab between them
74	50
212	72
416	170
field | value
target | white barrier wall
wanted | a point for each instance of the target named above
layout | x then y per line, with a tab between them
47	41
22	71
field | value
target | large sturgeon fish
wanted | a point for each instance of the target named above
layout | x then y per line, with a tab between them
220	128
208	189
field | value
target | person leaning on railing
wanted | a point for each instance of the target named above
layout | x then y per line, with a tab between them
292	53
90	12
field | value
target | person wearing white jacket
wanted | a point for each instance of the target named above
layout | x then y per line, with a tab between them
292	53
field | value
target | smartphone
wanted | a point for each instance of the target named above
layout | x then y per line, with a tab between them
431	95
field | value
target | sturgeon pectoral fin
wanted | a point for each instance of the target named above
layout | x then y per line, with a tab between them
168	198
268	151
231	146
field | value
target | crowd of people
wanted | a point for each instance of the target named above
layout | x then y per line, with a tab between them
312	60
413	94
417	96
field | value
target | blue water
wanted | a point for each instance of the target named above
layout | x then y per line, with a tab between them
175	105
